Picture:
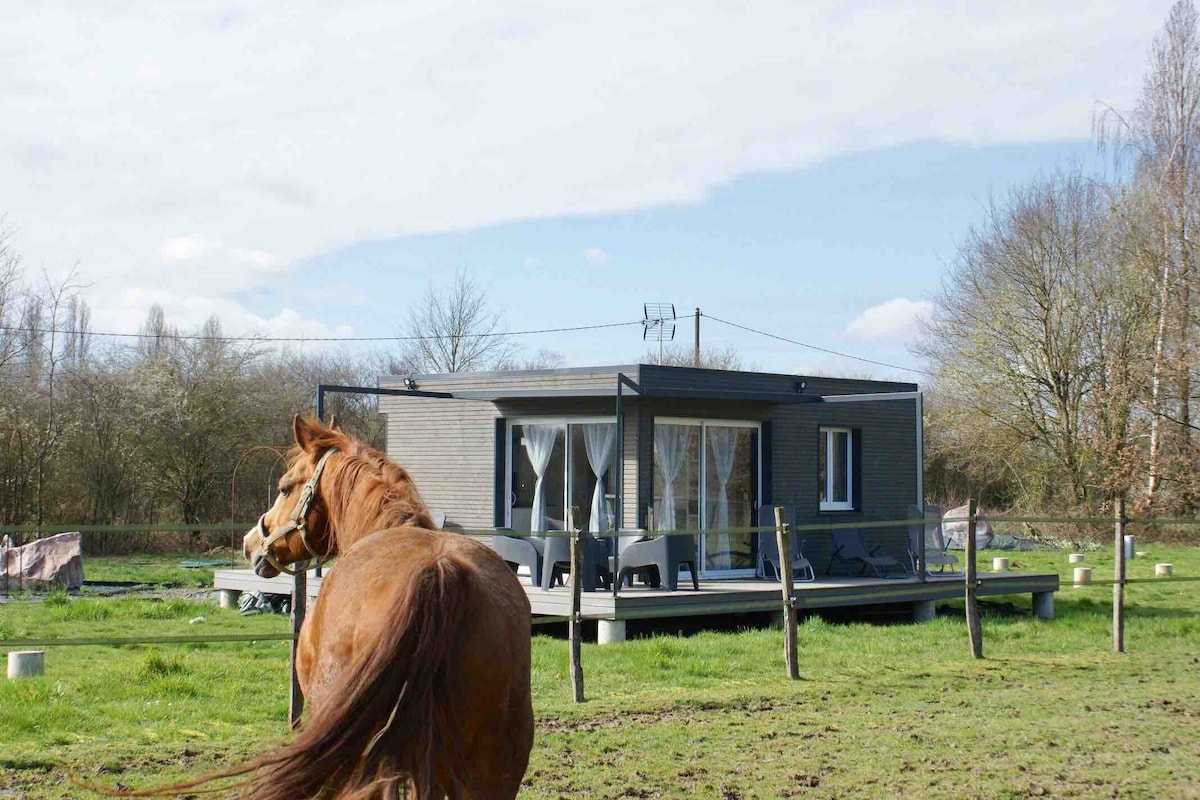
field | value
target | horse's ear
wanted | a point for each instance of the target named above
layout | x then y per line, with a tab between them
333	424
303	430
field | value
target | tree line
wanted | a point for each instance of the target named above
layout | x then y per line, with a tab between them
187	427
1064	344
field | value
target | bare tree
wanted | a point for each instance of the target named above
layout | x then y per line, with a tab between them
453	330
1036	339
1163	136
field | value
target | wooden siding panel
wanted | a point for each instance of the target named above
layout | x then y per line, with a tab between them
888	469
448	448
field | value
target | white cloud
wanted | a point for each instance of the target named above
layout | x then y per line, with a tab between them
533	262
128	309
894	320
594	256
334	135
184	248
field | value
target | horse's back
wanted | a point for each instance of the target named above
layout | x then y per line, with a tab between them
488	662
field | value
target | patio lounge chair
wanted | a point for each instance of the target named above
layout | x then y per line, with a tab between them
665	555
556	561
935	544
849	548
768	548
520	551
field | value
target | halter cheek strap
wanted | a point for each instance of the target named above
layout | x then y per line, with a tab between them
296	523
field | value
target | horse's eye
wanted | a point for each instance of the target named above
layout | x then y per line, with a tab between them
285	491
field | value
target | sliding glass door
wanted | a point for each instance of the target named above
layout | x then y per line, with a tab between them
558	463
706	479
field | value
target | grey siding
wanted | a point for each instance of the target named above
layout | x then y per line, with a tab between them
448	446
888	468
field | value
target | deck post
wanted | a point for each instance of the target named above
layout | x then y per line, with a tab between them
228	598
974	631
1043	605
610	631
1119	578
785	583
924	610
575	623
299	608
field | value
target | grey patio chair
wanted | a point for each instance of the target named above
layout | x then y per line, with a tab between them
556	561
520	551
768	548
665	555
849	548
936	554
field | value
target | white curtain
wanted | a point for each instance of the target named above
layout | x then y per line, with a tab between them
670	450
598	440
723	444
539	444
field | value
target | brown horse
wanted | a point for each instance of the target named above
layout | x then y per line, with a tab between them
415	657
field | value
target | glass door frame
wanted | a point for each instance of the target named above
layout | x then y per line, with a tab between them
509	422
701	423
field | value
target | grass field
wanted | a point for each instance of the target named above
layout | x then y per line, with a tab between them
879	709
159	569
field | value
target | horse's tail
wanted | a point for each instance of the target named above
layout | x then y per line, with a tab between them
390	721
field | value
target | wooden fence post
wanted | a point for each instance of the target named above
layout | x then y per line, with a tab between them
299	609
974	631
782	534
575	623
1119	578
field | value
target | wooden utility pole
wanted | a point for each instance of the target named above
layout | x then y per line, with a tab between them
575	623
974	631
783	536
1119	578
696	350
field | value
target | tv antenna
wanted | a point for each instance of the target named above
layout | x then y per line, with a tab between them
658	324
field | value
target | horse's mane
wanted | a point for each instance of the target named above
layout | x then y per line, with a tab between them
363	490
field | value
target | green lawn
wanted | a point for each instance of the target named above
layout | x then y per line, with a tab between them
879	710
159	569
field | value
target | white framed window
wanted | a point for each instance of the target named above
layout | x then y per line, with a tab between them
835	465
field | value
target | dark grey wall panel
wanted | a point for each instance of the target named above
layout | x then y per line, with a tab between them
888	467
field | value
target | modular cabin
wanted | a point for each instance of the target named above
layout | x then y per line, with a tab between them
643	449
699	449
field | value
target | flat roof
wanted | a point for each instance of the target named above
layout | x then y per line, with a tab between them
643	380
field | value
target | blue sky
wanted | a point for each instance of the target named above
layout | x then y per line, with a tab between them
801	253
806	168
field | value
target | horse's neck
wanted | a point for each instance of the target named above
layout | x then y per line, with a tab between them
354	519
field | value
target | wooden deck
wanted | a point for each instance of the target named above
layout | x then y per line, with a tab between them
728	596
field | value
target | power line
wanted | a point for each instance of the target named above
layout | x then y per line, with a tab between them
307	339
815	347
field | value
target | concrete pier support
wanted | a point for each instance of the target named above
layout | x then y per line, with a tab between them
26	663
924	611
610	631
1043	605
228	598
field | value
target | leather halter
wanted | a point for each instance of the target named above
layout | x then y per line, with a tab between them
296	523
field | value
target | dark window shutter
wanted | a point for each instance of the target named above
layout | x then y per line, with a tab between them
499	498
764	447
856	491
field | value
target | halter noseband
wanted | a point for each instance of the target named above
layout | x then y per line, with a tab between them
296	523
